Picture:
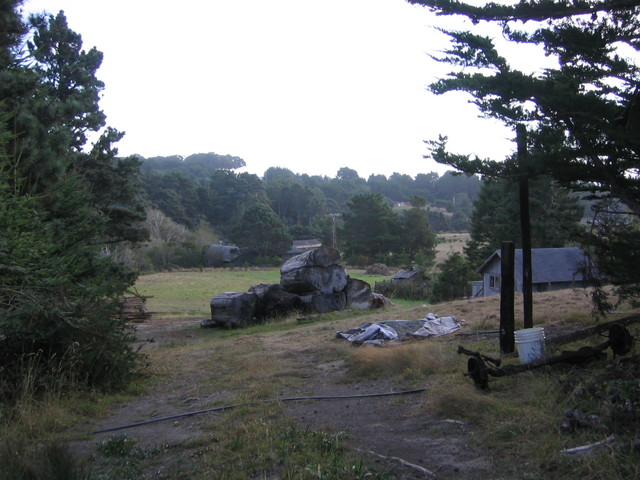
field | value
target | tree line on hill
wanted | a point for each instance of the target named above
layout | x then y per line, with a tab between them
204	192
189	190
380	220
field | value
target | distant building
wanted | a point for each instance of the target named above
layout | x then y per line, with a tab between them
552	269
408	275
301	246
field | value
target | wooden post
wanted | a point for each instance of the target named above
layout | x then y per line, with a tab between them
525	227
507	315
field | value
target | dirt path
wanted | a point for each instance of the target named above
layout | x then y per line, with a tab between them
394	430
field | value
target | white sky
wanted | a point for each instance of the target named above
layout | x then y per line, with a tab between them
301	84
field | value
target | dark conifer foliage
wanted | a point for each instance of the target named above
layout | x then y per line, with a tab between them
581	112
63	206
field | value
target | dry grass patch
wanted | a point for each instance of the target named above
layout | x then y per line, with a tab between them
410	361
450	243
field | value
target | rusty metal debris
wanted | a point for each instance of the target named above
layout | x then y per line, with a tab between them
480	367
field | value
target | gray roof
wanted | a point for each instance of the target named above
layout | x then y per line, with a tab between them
549	265
406	273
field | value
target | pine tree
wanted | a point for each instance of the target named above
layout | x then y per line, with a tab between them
261	230
60	296
371	229
418	240
581	115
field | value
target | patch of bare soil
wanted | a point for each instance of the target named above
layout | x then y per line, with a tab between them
395	430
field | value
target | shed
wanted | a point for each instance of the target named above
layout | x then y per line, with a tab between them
552	269
408	275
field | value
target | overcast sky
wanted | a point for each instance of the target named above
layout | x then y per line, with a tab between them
306	85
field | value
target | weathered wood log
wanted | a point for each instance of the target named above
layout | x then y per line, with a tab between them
322	256
313	280
380	301
358	294
312	272
325	302
275	301
233	310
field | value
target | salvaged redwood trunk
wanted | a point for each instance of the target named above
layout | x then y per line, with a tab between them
322	256
275	301
312	272
380	301
358	294
233	310
312	282
325	302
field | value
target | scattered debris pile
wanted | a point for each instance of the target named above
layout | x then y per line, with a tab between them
620	341
312	282
380	332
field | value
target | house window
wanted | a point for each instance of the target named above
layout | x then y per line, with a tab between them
494	282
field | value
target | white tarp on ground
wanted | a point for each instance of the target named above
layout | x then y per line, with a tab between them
438	326
377	333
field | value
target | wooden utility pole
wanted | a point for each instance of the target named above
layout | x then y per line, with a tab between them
525	227
507	315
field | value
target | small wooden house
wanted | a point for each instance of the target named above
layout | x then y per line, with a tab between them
552	269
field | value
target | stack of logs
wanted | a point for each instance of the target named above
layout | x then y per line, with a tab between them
312	282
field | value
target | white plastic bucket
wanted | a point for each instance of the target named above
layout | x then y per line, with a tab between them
530	344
